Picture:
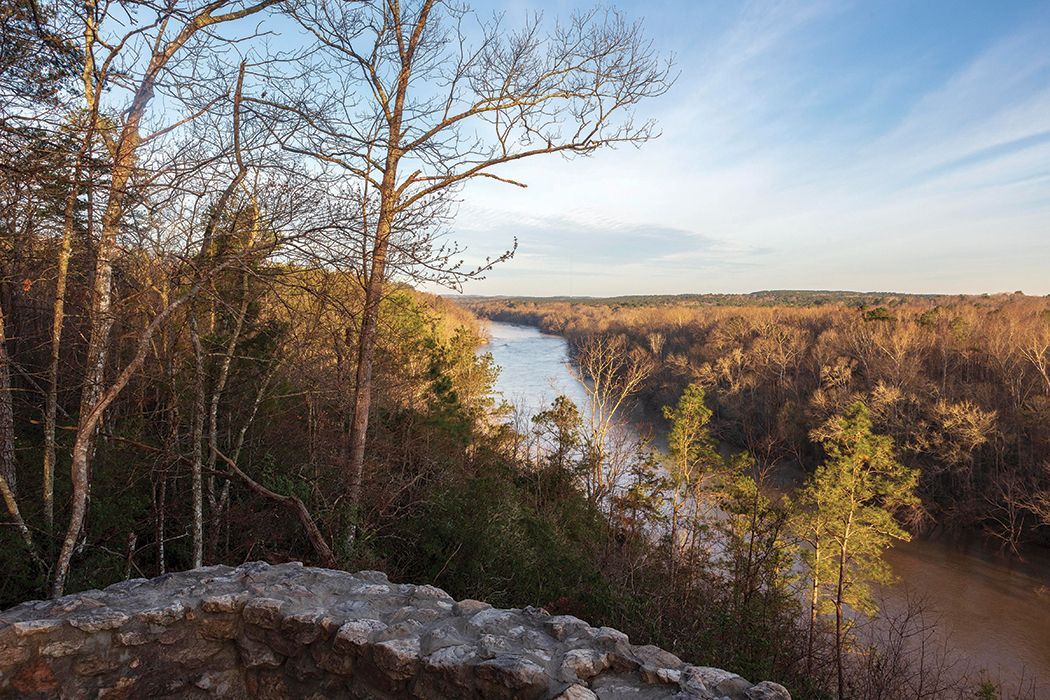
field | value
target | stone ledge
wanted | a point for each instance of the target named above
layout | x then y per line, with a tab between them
292	631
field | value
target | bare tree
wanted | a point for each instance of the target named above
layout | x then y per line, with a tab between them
422	96
136	63
612	375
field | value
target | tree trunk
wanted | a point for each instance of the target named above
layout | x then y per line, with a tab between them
57	323
8	471
366	347
814	601
838	622
101	322
197	466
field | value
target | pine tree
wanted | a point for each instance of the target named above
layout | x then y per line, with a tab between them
694	457
847	515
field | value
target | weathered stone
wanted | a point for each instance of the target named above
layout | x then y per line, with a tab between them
132	639
224	684
427	592
257	655
96	664
121	689
226	603
11	655
357	633
577	692
492	620
264	612
219	626
583	664
165	615
36	677
767	690
372	576
30	628
290	631
423	616
561	627
715	680
513	672
98	620
468	607
305	627
399	658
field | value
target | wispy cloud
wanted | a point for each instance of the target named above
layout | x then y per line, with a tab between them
801	150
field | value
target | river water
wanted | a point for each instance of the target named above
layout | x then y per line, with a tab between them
994	610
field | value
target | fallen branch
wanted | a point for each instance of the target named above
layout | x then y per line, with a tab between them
320	545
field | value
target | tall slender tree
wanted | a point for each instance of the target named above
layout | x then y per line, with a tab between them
848	510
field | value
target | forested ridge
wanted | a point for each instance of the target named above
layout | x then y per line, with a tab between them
961	384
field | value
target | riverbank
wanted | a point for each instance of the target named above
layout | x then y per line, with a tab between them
994	611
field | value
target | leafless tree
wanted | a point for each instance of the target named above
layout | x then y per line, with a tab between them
421	96
133	61
612	375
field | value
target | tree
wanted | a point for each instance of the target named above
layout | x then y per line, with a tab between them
560	427
847	511
171	31
415	102
693	454
612	375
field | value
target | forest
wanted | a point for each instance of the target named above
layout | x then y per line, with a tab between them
215	220
961	384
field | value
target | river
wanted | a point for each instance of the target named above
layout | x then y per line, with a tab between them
995	610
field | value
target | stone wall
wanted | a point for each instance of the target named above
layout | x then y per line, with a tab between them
278	631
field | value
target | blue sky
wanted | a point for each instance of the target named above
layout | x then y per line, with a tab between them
829	145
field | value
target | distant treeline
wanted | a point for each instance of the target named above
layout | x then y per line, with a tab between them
769	297
962	384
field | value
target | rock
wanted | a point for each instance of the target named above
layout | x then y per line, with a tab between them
98	620
399	658
165	615
257	655
767	690
226	603
577	692
33	678
561	627
30	628
132	639
468	607
305	627
716	681
492	620
513	672
357	633
293	631
96	664
14	655
220	626
583	664
264	612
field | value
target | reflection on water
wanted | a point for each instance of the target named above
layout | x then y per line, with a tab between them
534	368
996	611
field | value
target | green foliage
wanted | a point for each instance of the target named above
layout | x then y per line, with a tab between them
879	313
693	452
484	537
848	506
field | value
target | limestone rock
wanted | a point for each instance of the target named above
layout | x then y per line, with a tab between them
294	631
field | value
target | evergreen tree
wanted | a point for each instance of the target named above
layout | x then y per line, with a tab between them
847	515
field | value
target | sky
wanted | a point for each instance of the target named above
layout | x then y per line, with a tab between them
877	146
